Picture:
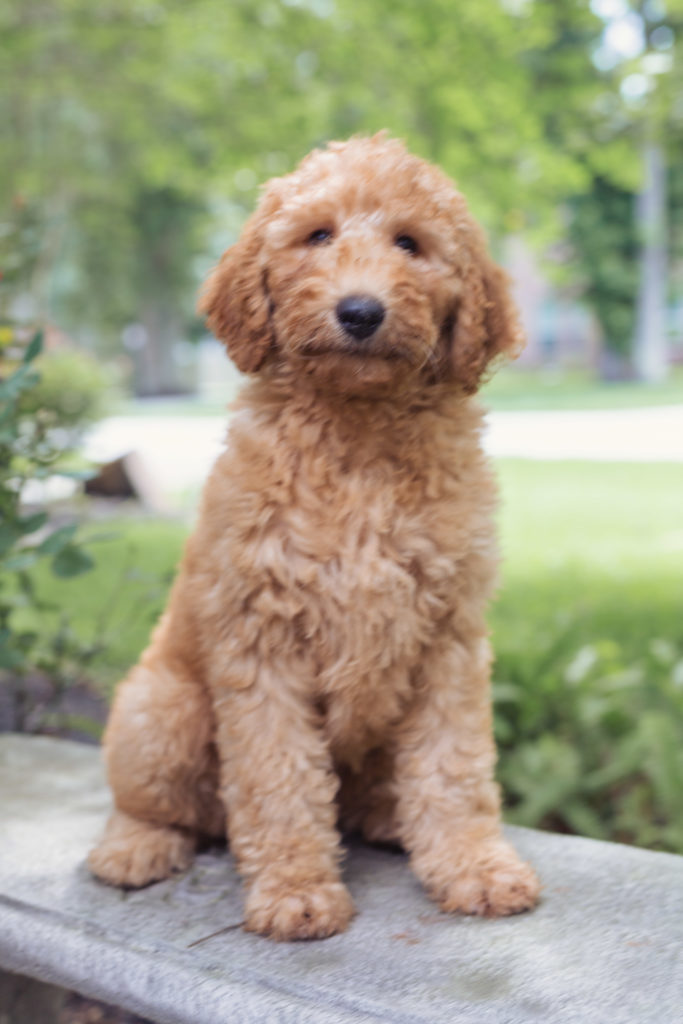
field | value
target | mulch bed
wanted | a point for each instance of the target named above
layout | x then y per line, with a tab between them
78	1010
34	704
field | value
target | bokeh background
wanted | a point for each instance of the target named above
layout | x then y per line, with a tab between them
134	136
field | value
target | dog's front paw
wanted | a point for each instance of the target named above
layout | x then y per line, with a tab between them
305	910
494	884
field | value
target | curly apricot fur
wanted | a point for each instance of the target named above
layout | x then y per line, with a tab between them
324	654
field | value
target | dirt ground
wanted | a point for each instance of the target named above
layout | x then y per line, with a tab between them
78	1010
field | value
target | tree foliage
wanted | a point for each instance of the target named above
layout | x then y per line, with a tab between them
140	128
602	231
639	107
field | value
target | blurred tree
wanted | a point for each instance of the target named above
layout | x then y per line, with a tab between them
140	128
455	82
618	224
661	145
602	230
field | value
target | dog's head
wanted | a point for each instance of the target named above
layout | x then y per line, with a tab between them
363	265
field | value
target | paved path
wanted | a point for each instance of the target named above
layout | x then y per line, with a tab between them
607	435
178	451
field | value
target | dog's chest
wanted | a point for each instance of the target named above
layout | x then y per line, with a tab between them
375	572
346	561
381	601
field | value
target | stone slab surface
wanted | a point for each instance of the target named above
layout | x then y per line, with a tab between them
605	945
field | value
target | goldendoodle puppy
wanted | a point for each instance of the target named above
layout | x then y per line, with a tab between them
323	660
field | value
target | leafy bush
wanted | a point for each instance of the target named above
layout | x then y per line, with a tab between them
69	392
602	753
30	450
113	609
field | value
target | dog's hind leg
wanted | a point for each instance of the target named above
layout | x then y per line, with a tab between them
163	771
133	853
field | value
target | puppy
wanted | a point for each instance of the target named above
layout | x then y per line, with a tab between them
323	661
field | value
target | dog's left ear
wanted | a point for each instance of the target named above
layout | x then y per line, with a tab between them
486	323
235	299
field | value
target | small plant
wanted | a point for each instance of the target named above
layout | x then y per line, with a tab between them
592	742
69	393
30	449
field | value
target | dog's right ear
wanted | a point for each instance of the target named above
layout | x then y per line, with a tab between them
235	300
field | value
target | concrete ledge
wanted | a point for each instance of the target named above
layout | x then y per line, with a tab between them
606	944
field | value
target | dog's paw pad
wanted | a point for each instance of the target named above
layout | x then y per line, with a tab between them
299	911
146	855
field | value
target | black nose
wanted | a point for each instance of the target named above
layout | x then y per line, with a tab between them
360	315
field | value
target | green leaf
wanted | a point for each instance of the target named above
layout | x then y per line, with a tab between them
10	658
7	416
57	540
26	585
25	641
71	561
29	524
35	347
8	536
584	820
21	380
22	560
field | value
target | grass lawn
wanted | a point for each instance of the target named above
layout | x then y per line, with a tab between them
514	388
602	541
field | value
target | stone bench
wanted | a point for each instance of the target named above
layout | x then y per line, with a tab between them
605	945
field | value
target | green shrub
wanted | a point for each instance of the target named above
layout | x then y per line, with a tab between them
596	746
69	392
31	450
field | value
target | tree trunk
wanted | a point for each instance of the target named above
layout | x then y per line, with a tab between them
156	370
650	355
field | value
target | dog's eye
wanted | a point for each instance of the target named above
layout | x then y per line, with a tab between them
408	243
319	236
